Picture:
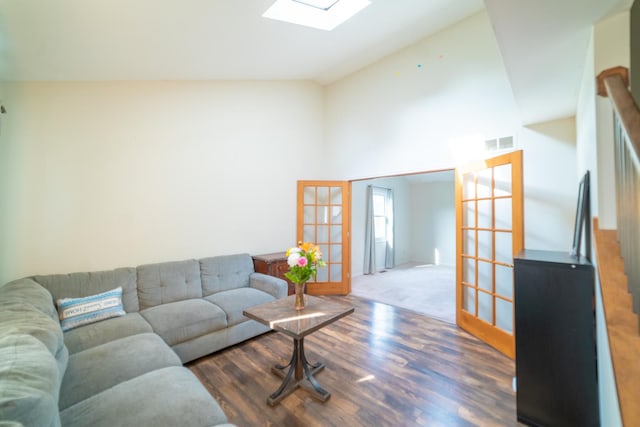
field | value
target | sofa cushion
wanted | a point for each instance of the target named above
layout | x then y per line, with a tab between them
225	272
215	341
15	320
76	285
234	301
165	397
102	367
88	336
269	284
76	312
29	382
27	308
27	292
181	321
168	282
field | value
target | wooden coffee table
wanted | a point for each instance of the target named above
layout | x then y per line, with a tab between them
280	315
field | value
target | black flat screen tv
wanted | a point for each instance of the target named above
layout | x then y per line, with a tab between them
583	220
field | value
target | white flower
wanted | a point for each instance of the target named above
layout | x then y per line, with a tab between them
293	258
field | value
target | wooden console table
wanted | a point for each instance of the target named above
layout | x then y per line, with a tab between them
274	264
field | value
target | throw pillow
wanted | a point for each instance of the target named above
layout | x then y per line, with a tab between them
76	312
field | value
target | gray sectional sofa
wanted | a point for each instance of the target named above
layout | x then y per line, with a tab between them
125	370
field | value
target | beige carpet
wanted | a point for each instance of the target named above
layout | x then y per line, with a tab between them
426	289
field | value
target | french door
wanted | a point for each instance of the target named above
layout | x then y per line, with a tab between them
324	218
489	232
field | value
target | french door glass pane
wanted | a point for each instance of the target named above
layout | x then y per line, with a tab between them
323	274
323	234
469	242
485	245
326	251
469	213
322	215
485	215
336	196
502	177
309	233
309	214
323	195
504	251
504	316
484	183
469	270
336	215
485	307
336	234
335	253
309	195
469	299
503	213
335	271
485	275
468	186
504	281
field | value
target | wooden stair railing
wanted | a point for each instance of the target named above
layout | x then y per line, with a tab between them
627	166
618	252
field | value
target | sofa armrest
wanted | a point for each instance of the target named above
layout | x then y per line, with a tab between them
269	284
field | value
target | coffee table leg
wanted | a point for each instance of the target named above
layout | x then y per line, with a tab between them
299	372
309	370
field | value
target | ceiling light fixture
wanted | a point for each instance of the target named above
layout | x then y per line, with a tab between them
320	14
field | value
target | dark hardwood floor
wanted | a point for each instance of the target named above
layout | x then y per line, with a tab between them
385	366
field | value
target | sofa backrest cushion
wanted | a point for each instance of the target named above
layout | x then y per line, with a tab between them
225	272
27	310
29	382
78	285
29	321
26	291
33	356
168	282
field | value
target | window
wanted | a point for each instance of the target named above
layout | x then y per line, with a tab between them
380	216
320	14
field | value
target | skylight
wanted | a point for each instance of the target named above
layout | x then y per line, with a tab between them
319	4
320	14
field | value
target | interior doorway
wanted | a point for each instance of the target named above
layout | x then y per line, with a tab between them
423	275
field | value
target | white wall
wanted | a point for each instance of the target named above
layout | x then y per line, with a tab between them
409	112
104	175
551	184
434	222
586	134
431	106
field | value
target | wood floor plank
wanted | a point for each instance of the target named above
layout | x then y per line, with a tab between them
385	366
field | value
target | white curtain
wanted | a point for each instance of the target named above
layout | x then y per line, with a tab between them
369	266
390	255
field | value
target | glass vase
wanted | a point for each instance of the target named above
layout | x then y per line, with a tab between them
300	299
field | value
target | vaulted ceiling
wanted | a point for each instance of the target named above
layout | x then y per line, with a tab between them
543	42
